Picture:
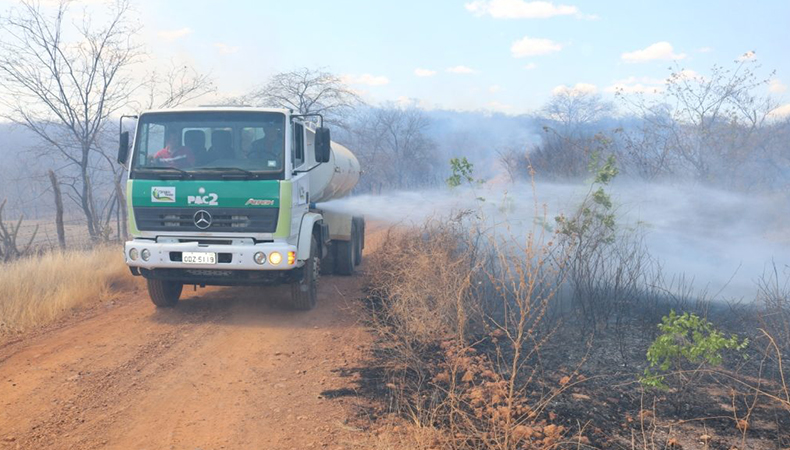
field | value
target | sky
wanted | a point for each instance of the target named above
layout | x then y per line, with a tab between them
500	55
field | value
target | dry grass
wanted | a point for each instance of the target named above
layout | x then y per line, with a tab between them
426	281
461	321
38	290
468	342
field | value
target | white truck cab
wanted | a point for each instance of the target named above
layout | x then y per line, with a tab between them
227	196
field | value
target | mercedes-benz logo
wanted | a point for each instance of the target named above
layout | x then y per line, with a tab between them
202	219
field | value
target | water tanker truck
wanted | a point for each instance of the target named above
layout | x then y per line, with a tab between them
227	196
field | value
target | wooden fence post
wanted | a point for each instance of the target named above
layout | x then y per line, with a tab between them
58	210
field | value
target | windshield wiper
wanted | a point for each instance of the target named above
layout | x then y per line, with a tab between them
236	170
181	173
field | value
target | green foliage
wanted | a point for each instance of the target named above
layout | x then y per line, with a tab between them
604	172
463	173
595	214
686	338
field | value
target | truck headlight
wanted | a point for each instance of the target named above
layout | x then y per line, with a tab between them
145	254
259	257
275	258
133	254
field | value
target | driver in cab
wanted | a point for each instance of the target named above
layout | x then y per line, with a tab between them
268	149
174	154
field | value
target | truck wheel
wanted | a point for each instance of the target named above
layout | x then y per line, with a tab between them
304	292
328	262
344	256
164	294
359	243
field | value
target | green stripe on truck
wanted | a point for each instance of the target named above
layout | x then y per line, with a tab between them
284	221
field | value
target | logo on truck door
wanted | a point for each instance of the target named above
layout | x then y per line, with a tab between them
208	199
163	194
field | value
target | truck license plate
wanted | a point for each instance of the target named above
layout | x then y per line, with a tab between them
199	258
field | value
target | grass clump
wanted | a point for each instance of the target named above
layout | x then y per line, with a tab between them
38	290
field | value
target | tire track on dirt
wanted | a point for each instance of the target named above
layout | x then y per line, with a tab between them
224	369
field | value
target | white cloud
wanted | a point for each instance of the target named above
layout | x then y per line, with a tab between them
705	49
494	88
637	85
776	87
172	35
636	88
55	3
528	46
366	79
424	72
658	51
460	69
530	66
410	102
500	107
577	89
781	112
519	9
225	49
747	56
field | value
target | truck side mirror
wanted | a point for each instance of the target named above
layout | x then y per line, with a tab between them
322	145
123	148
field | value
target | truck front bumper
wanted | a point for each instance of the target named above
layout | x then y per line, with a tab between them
238	255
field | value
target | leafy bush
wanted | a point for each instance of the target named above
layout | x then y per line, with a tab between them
686	338
594	215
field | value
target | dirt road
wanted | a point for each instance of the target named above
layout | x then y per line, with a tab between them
224	370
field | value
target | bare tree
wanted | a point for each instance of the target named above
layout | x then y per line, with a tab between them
515	161
572	108
65	92
9	234
308	91
570	135
393	145
179	85
711	127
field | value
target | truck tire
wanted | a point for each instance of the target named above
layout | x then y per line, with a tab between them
328	262
304	292
359	242
345	253
164	294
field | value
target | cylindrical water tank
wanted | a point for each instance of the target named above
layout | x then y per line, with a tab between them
336	178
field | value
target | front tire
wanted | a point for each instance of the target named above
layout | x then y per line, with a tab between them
304	292
164	294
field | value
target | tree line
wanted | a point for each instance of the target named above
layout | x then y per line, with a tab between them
717	129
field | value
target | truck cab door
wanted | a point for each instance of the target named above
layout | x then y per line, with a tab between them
300	181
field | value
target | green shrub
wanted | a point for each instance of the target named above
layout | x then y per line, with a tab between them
686	339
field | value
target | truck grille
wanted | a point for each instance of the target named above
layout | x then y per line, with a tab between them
257	220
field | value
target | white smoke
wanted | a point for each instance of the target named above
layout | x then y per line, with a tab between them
723	241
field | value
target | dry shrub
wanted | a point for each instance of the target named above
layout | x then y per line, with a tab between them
396	435
425	275
774	299
38	290
462	320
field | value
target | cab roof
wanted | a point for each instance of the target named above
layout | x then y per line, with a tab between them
228	108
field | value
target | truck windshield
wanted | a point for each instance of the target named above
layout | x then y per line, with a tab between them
210	145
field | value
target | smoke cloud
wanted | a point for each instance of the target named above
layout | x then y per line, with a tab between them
722	241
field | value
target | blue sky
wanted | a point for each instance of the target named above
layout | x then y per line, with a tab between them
506	55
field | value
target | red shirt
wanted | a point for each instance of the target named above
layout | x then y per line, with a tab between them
181	157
